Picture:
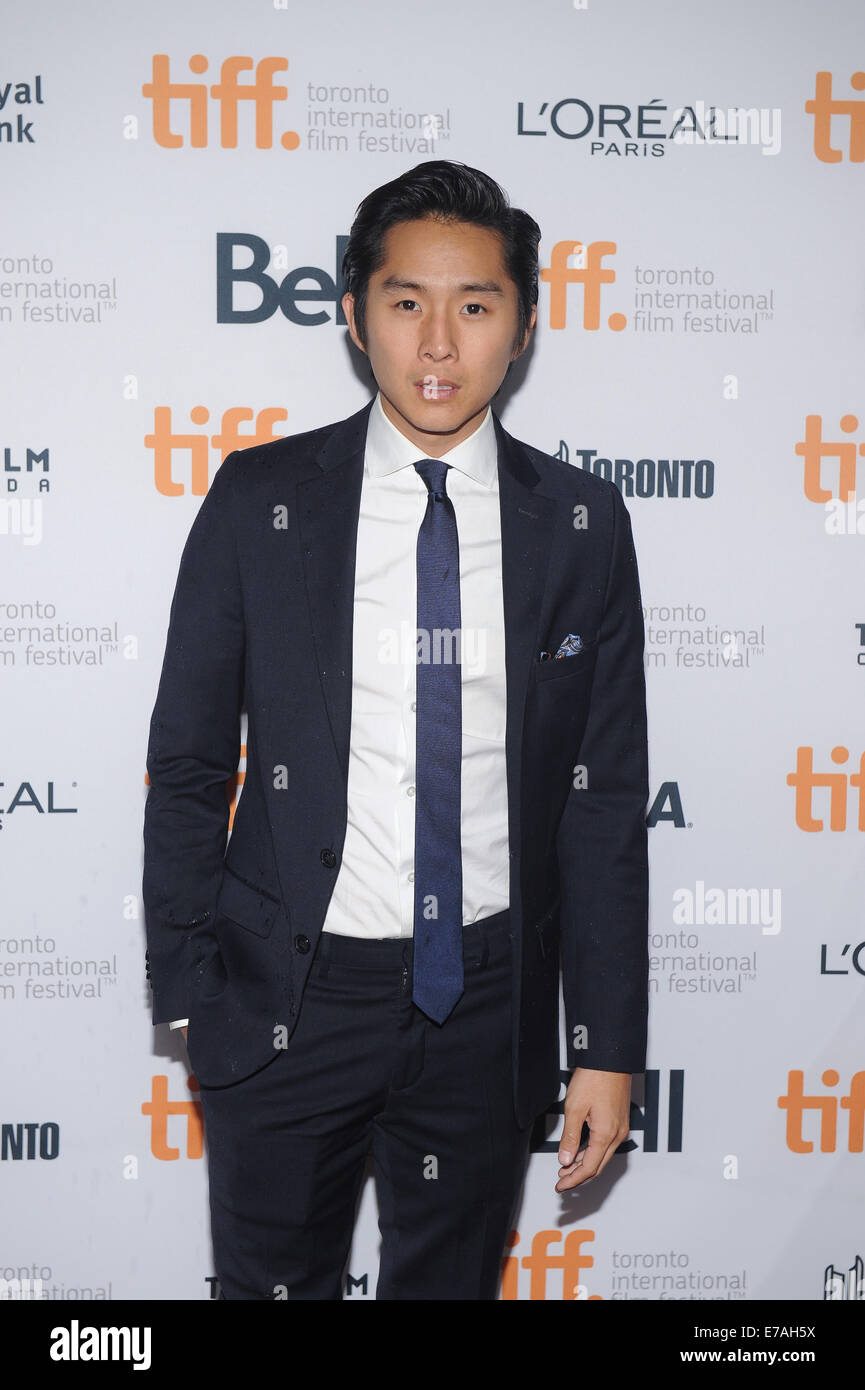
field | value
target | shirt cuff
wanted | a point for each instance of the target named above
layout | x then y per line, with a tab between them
179	1023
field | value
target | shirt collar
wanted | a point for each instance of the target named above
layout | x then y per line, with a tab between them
387	450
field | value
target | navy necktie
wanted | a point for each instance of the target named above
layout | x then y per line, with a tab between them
438	883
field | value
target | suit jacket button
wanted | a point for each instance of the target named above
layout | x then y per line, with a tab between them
302	944
328	858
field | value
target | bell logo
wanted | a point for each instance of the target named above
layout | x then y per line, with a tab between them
814	448
804	779
660	1120
795	1102
228	93
306	282
160	1108
569	1260
587	272
823	106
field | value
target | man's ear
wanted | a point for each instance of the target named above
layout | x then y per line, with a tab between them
348	310
521	347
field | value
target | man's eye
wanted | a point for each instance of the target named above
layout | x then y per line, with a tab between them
474	306
411	302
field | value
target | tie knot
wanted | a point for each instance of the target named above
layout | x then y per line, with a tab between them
433	472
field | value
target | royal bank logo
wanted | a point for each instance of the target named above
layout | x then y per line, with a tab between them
16	102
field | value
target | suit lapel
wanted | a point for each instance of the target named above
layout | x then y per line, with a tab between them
328	507
527	526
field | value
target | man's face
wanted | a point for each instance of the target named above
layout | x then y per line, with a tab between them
441	325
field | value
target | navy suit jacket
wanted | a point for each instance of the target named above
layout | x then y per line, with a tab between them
262	618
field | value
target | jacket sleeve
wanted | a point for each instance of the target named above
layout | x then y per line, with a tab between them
602	839
193	749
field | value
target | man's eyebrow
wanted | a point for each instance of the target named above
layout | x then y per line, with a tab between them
394	282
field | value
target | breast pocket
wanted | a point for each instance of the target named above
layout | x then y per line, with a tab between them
577	664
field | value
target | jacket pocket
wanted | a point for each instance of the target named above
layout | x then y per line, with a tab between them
252	908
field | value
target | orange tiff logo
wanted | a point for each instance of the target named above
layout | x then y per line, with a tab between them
795	1102
165	442
587	271
227	94
568	1261
813	449
823	107
161	1109
805	779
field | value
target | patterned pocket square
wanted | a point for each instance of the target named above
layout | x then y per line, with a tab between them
572	644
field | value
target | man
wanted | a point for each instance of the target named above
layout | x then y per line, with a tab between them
424	824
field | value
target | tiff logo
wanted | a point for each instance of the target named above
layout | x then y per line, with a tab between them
568	1259
823	106
796	1102
813	449
805	779
165	443
587	271
161	1109
227	93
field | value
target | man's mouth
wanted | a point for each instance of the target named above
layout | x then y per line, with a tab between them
436	388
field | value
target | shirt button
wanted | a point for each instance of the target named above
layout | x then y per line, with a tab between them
411	878
302	944
328	858
410	791
414	706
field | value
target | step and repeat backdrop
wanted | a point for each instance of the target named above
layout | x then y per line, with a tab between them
178	183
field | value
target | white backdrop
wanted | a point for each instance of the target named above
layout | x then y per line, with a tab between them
115	191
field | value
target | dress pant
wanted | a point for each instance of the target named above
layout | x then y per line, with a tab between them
366	1070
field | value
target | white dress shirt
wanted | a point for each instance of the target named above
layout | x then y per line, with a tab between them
374	892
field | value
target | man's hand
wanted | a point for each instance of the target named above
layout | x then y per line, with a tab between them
601	1098
184	1031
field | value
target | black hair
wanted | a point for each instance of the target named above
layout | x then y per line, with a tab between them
451	192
